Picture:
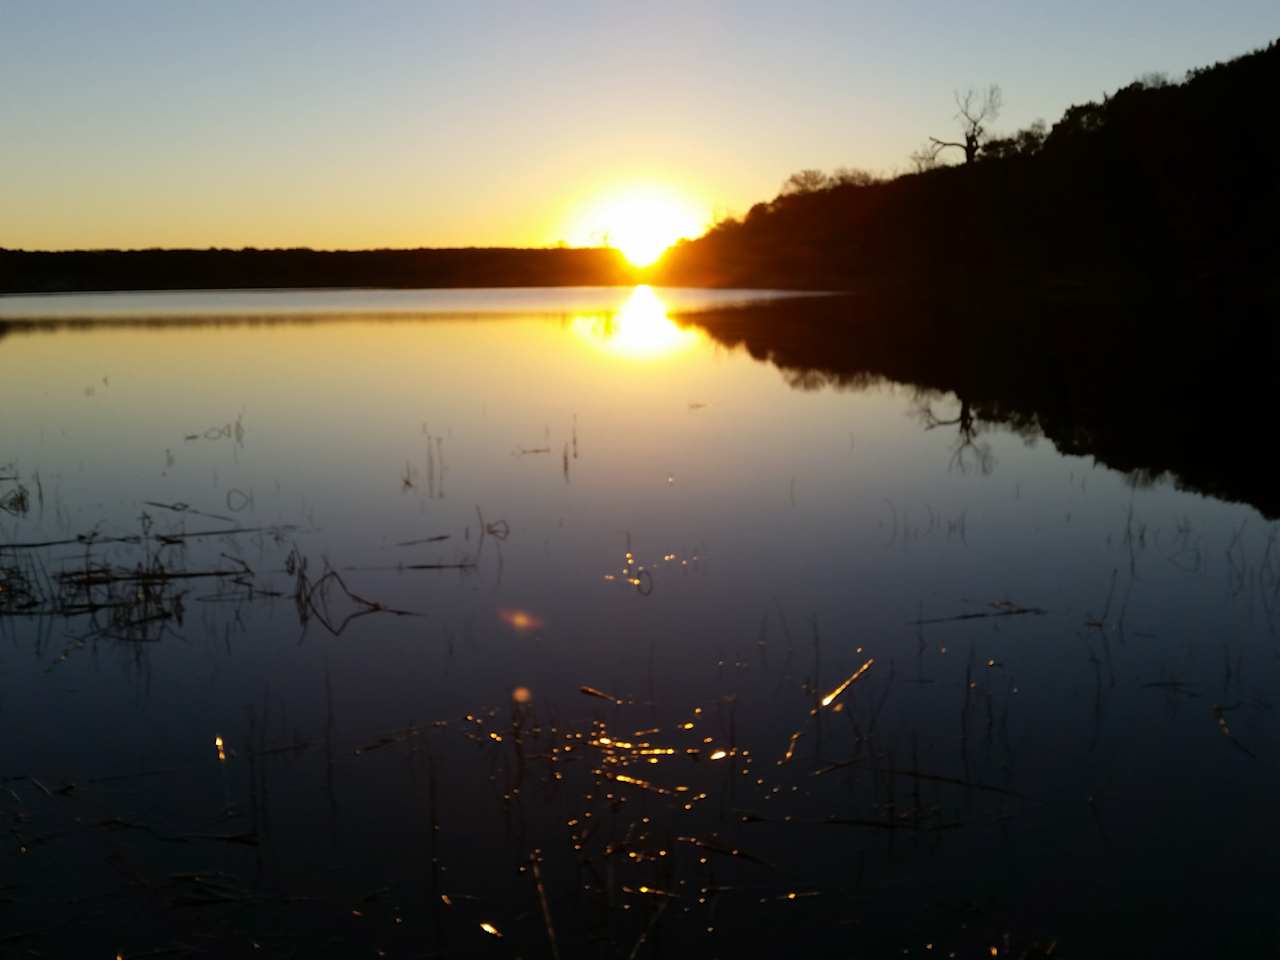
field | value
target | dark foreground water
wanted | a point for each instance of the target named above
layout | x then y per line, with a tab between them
533	623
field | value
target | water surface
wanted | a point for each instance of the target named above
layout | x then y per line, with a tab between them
306	671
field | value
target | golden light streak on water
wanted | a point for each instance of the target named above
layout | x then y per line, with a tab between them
830	697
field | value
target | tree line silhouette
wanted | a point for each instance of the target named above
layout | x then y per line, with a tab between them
1160	185
51	272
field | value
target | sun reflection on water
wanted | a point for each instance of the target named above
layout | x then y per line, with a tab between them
639	330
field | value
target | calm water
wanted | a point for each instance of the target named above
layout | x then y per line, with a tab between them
1061	729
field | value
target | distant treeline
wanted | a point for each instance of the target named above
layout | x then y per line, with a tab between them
82	270
1160	185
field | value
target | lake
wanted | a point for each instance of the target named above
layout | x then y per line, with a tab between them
595	622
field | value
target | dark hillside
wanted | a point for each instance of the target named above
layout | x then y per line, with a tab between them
1157	186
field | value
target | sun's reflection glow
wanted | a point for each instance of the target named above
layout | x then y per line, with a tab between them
639	330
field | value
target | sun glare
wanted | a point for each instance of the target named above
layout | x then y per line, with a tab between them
639	330
642	222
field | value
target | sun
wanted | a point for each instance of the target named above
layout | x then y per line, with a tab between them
641	222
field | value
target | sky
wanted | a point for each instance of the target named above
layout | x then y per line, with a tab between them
391	123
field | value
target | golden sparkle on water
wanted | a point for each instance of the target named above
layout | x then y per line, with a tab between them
639	330
641	222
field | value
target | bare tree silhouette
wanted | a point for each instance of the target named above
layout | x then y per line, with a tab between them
974	111
926	158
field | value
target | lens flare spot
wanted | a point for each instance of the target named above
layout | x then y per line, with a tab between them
520	619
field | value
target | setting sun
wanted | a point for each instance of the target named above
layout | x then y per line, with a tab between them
641	222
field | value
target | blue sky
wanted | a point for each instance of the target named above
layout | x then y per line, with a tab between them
395	123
